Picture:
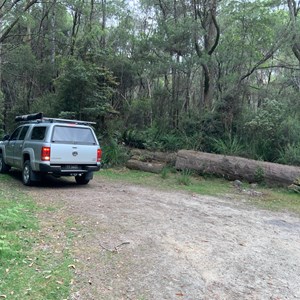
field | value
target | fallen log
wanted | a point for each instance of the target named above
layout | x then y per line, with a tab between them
232	167
146	155
153	167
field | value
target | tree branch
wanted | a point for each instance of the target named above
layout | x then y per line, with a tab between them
213	48
13	24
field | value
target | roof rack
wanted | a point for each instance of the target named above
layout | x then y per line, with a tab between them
52	120
38	117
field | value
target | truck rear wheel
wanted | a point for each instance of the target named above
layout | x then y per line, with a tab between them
27	173
3	166
82	179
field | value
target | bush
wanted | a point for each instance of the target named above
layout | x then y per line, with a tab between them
114	154
229	146
260	130
185	177
290	155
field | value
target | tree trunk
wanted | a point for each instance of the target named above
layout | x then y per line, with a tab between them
53	38
293	11
232	168
103	25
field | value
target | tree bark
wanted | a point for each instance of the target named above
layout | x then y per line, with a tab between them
145	155
152	167
231	167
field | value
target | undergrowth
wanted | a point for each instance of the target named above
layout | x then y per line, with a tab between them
29	269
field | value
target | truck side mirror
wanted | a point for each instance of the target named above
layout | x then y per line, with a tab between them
6	137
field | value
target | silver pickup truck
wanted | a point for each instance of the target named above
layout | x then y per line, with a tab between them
58	147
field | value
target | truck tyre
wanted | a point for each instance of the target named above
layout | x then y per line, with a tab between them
82	179
3	166
27	173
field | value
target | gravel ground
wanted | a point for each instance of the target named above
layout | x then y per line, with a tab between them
134	242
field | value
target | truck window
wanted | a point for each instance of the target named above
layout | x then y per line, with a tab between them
73	135
23	133
15	134
38	133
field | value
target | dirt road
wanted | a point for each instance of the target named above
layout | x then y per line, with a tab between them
134	242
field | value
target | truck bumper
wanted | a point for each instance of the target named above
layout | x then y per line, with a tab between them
67	169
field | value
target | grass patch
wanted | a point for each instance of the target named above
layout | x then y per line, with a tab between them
30	268
170	179
278	199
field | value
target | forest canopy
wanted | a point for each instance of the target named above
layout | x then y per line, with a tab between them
209	75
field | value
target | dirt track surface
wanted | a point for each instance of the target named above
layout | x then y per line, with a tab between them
135	242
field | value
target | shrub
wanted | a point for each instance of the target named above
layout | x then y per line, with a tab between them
290	155
184	177
259	175
229	146
114	154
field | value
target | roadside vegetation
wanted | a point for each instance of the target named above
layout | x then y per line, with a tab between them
30	268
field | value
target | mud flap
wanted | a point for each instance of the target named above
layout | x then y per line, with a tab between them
89	175
35	176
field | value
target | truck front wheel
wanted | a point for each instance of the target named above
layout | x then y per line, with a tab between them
3	166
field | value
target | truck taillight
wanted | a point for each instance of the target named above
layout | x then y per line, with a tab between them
99	155
45	155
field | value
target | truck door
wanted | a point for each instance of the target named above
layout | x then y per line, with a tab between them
18	149
10	147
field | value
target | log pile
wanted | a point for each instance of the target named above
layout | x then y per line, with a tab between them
233	168
229	167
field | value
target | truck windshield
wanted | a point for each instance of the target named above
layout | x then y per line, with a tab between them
73	135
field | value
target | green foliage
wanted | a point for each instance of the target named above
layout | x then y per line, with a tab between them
268	117
172	142
229	146
153	139
134	138
262	132
290	128
199	130
85	89
184	177
139	112
166	171
48	104
290	155
28	271
259	175
114	154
